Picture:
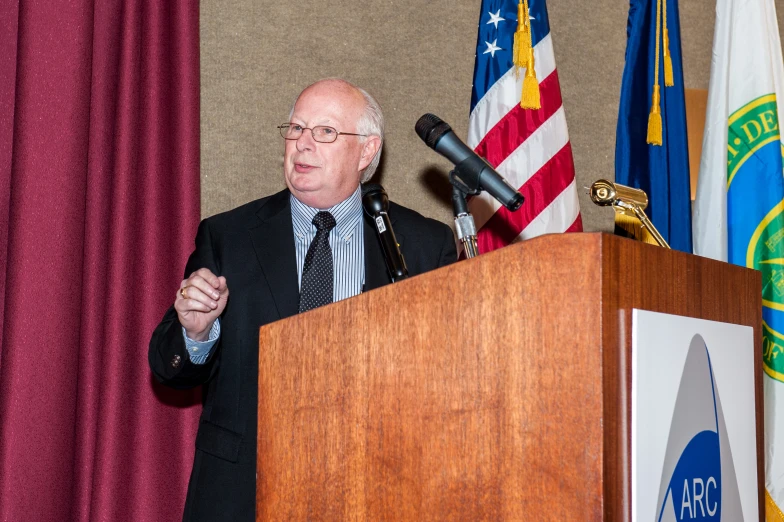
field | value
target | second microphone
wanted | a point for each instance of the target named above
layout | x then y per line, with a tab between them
376	204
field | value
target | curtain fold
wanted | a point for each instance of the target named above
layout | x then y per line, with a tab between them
9	18
99	160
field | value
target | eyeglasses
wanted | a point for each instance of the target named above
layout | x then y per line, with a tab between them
321	133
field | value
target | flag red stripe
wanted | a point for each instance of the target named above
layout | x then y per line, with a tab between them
519	123
577	226
539	191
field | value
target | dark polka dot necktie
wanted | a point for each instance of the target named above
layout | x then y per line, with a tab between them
316	286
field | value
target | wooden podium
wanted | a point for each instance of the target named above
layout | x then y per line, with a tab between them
493	389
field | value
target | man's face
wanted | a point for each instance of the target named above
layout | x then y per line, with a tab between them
324	174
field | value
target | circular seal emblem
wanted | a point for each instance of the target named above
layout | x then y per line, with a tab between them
766	254
756	214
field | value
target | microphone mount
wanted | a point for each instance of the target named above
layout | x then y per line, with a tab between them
462	176
462	186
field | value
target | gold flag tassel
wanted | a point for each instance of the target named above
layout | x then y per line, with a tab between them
668	80
522	38
530	98
654	118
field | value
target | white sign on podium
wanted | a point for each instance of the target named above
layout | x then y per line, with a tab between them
693	426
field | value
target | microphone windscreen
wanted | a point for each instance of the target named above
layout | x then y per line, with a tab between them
374	199
371	187
430	128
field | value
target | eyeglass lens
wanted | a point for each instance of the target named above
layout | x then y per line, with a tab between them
320	133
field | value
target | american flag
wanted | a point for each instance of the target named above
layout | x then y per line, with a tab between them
528	147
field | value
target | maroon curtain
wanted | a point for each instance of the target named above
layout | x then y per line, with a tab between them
99	202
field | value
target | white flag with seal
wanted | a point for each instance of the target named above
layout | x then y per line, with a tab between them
739	211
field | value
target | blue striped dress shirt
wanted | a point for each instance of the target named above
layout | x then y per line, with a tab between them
348	257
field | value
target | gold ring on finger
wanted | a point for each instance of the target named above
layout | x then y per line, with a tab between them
182	292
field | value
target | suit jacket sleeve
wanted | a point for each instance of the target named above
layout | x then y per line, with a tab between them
168	357
448	249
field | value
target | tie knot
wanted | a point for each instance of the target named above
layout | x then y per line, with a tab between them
324	221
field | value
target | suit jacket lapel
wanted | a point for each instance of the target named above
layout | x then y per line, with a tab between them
272	235
376	274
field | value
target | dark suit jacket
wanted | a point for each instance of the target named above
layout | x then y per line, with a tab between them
253	247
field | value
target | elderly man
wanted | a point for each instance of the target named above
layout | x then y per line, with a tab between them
287	253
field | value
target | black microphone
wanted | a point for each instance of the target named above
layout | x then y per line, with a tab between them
376	204
438	135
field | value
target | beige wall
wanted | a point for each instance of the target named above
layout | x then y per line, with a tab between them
415	57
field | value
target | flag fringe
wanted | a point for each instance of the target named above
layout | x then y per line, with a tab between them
772	511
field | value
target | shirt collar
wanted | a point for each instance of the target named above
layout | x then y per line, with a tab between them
347	214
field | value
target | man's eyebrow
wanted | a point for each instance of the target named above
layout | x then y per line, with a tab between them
320	121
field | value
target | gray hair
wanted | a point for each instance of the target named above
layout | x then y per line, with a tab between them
371	123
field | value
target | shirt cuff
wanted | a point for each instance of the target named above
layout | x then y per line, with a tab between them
199	351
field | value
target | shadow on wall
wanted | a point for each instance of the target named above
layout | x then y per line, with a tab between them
434	179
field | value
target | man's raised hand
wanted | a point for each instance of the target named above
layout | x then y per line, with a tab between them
200	300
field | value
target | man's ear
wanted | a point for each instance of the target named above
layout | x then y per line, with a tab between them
369	150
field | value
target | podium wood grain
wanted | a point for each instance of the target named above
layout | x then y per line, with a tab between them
493	389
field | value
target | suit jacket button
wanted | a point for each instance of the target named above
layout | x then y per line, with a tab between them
176	360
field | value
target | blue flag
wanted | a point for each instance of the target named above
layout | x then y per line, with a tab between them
662	171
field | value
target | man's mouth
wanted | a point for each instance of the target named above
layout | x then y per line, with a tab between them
303	168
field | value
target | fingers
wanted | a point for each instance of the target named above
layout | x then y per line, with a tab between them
196	285
206	275
223	287
200	299
198	296
200	292
196	301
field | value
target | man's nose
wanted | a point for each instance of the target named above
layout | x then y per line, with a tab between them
306	141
